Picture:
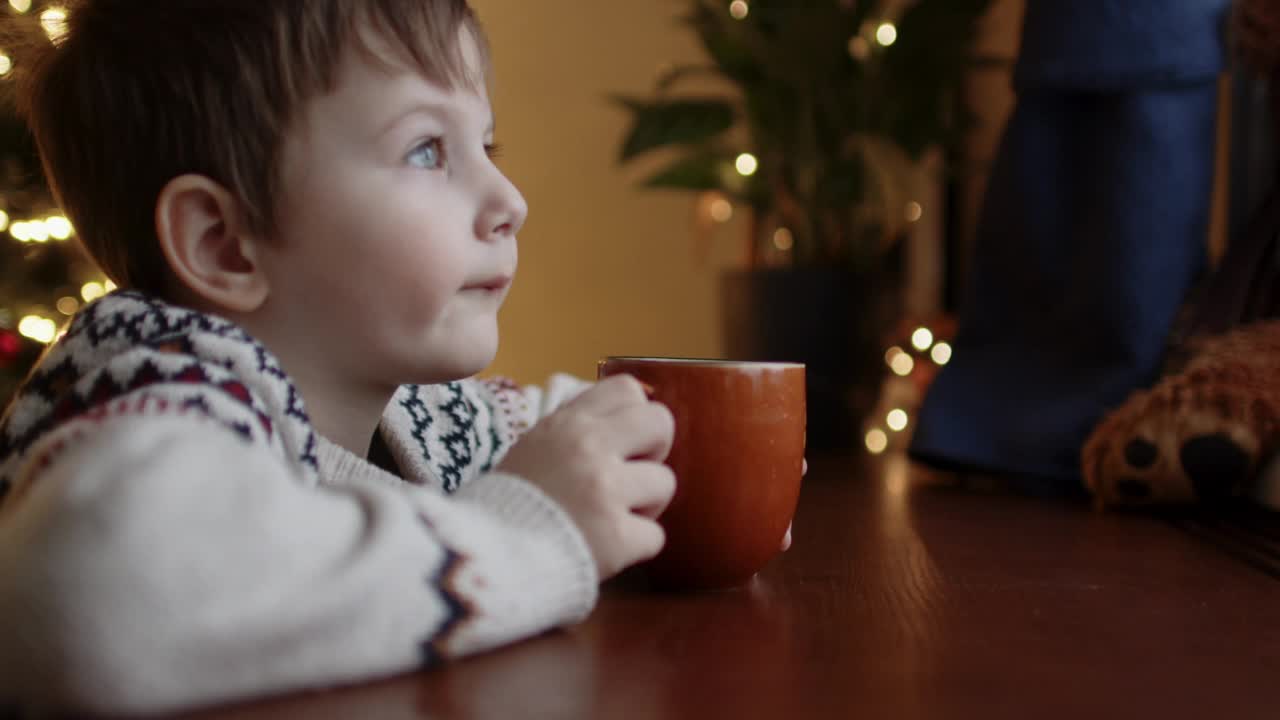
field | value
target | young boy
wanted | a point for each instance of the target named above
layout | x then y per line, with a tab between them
218	484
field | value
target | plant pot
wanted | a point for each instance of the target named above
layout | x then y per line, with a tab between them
833	321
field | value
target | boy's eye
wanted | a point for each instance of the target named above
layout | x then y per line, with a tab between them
493	150
428	155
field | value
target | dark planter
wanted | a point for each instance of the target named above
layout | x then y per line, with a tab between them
833	321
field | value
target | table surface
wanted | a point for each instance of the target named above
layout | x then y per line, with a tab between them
905	596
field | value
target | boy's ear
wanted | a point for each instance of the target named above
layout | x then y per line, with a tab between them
202	235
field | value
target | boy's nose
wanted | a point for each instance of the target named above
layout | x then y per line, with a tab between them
503	212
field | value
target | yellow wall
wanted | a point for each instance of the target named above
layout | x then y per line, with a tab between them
605	268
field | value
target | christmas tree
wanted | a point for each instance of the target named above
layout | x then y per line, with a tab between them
45	276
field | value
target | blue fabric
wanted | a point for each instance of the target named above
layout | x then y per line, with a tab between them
1092	232
1120	44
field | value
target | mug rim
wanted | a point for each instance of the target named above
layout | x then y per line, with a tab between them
706	362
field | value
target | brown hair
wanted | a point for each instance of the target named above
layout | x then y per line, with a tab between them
138	92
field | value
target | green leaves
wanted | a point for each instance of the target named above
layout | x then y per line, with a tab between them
838	120
660	123
697	171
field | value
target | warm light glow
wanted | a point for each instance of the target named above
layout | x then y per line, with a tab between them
92	291
59	227
68	305
941	353
721	210
886	34
859	48
914	211
896	420
20	5
746	164
54	22
739	9
783	240
37	231
4	221
42	330
877	441
922	339
29	231
902	365
891	354
108	286
6	64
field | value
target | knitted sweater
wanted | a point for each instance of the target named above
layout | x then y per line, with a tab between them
174	533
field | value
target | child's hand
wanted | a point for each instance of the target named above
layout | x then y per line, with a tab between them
786	538
600	456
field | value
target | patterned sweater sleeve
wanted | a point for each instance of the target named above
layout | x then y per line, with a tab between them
513	408
154	563
447	435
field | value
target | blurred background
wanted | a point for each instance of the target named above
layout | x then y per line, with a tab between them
608	266
767	179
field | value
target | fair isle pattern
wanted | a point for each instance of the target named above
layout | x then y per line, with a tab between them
434	649
129	354
452	432
143	402
127	341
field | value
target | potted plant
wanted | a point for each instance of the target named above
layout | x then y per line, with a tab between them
822	113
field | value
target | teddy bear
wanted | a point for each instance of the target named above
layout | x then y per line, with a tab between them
1201	433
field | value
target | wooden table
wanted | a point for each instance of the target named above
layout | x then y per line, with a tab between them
903	597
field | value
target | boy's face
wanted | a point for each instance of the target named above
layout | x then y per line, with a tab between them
397	233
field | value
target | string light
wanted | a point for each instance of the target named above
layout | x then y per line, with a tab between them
56	227
41	329
902	364
914	211
886	34
746	164
739	9
20	5
59	227
92	291
6	64
783	239
108	286
721	210
941	353
922	338
54	22
896	419
877	441
29	231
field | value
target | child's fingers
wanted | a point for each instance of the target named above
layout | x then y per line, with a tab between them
641	537
641	431
648	488
610	394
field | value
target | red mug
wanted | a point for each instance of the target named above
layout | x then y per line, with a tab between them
738	456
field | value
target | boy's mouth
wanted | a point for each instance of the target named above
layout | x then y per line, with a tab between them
495	284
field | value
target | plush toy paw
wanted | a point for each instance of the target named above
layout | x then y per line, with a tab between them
1200	434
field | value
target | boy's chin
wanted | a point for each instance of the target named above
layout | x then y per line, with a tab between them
456	366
